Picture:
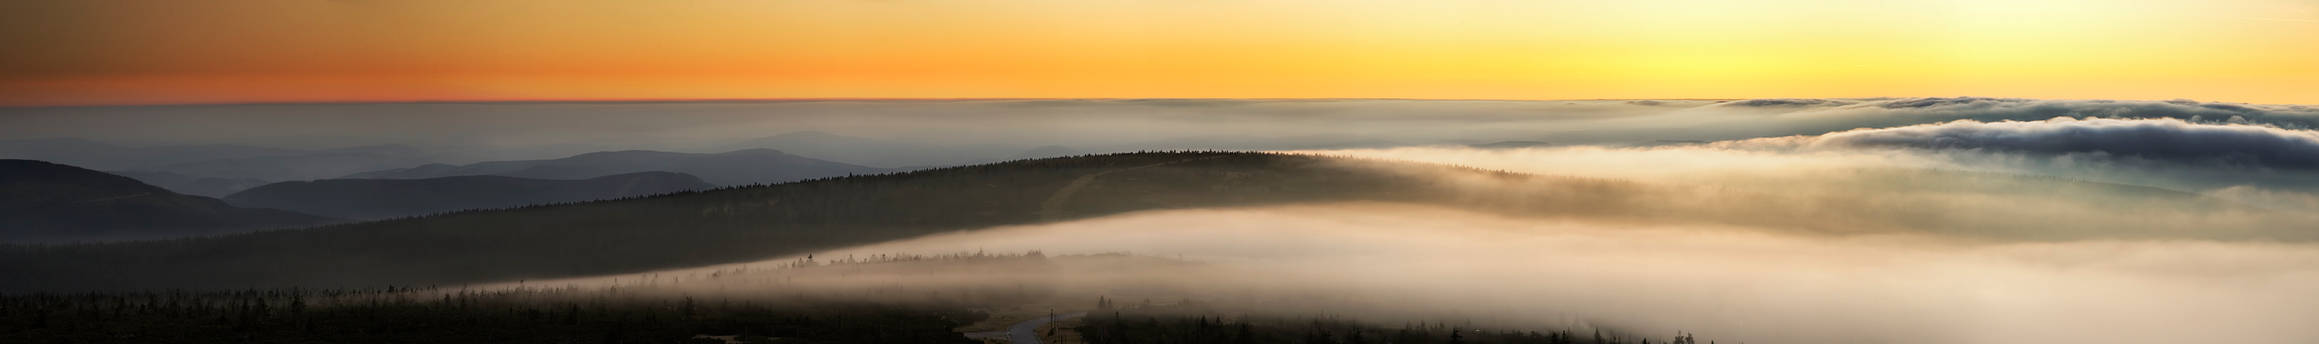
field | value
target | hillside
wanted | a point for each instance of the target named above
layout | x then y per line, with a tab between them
316	164
191	185
48	202
757	222
741	167
387	198
698	228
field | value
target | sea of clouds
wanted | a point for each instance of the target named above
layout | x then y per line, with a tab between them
1888	220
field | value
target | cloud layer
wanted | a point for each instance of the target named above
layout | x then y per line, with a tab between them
1388	264
1902	220
2158	140
465	132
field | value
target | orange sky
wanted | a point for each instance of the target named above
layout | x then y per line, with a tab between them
165	51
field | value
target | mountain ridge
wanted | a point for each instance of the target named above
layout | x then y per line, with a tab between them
738	167
388	198
57	202
755	222
691	228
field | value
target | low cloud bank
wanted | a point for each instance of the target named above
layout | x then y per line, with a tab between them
1389	264
1784	240
1899	111
1964	193
2158	140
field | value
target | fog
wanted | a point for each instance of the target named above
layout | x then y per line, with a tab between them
1738	243
1391	263
1733	283
1972	195
2262	164
1919	220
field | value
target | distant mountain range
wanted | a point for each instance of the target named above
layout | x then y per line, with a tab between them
387	198
212	170
699	228
741	167
307	165
105	156
49	202
191	185
1263	142
875	152
907	154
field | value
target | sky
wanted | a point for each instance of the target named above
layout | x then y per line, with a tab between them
241	51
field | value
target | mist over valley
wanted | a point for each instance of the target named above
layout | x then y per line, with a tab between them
1916	220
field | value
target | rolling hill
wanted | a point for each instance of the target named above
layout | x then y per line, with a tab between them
191	185
750	223
386	198
48	202
181	168
305	165
698	228
741	167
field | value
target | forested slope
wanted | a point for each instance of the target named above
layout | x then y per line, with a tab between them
48	202
388	198
697	228
756	222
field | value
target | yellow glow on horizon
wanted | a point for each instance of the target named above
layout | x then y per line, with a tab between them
73	52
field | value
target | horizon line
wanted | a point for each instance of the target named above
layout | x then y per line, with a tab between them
799	99
942	99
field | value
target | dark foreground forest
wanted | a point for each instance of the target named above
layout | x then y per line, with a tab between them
564	316
803	301
391	316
